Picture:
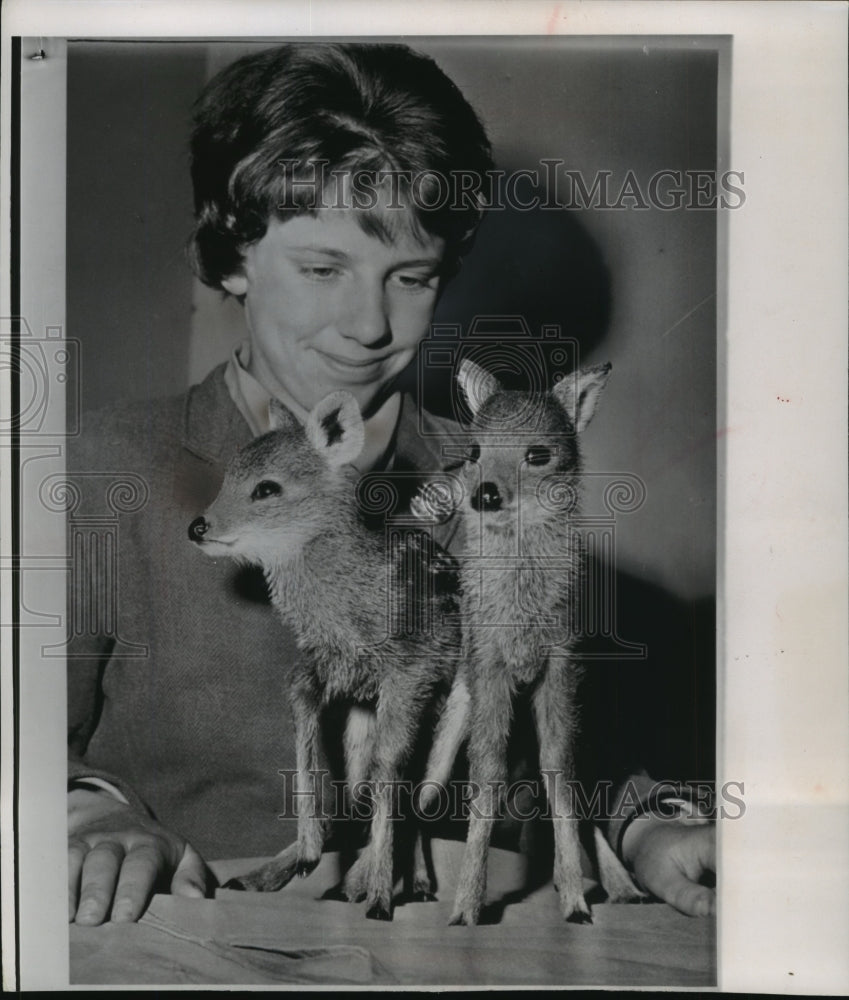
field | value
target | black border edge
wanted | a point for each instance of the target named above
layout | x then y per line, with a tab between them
14	476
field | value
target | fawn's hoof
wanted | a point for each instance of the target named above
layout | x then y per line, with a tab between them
579	917
422	896
378	911
259	882
236	884
462	920
355	884
304	868
336	892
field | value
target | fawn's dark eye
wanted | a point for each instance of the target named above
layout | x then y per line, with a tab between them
538	456
266	489
474	453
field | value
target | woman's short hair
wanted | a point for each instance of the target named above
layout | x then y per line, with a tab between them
272	129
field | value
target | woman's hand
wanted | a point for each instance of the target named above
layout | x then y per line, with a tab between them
117	857
670	857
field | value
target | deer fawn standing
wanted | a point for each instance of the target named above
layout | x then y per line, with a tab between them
288	504
520	572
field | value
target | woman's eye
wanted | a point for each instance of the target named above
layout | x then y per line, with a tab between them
538	456
266	488
318	272
474	453
413	281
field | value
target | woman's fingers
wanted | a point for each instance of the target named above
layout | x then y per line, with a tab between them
192	877
99	875
117	858
140	871
114	878
689	897
77	851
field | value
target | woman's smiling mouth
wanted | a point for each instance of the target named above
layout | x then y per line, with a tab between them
356	370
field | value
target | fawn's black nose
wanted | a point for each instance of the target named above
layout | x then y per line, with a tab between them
198	528
486	498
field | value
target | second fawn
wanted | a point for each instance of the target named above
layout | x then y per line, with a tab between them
521	569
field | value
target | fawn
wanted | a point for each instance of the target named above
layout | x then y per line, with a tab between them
288	504
520	573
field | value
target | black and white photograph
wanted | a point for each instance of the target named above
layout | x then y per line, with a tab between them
377	427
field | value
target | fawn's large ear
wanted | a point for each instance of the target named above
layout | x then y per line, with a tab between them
578	393
335	429
279	417
477	384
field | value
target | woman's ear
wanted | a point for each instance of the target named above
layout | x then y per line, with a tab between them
235	284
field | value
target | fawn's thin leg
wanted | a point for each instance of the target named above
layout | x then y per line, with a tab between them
271	876
398	709
555	714
451	730
359	753
359	745
612	874
306	706
490	711
281	869
423	888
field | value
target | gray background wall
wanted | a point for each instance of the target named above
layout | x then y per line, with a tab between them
637	287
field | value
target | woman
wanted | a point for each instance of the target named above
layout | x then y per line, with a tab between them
317	172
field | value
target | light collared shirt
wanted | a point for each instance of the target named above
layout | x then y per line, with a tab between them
254	403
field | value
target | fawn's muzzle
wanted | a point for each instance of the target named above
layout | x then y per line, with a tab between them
198	528
486	498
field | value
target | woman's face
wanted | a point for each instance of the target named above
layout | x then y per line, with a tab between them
330	307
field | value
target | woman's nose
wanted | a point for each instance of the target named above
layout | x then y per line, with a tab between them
367	320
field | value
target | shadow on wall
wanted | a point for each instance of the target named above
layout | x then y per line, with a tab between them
539	265
658	711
